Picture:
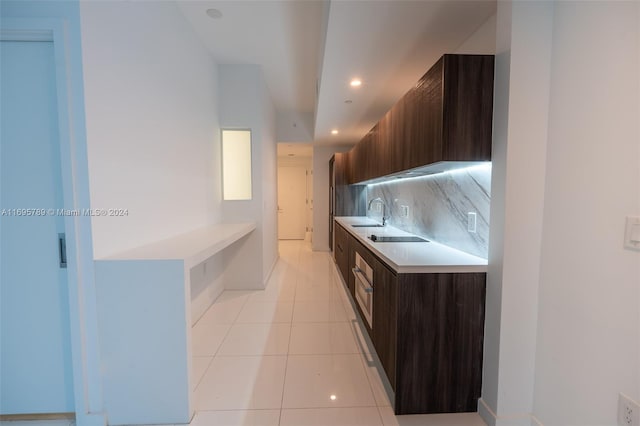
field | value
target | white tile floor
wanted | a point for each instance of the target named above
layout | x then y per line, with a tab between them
289	355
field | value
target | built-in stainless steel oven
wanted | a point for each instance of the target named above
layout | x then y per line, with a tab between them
364	288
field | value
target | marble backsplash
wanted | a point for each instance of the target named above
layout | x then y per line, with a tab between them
438	207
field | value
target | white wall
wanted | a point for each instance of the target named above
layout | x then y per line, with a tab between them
153	135
519	144
305	162
245	103
482	41
321	157
562	333
588	332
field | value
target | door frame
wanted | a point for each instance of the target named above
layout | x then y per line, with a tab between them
83	319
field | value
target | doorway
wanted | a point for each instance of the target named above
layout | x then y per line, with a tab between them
295	198
35	362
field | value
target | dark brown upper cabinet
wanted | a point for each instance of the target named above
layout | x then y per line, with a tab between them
345	199
445	117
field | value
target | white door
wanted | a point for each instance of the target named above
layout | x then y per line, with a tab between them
292	192
35	346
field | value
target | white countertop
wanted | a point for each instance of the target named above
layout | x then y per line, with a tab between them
192	247
408	258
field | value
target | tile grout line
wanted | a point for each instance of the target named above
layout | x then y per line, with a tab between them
213	357
380	415
286	365
200	379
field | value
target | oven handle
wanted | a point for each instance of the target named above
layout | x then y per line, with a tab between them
357	272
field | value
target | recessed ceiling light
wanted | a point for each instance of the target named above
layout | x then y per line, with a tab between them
356	82
334	132
214	13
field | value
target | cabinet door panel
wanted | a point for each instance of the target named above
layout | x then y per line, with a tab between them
350	200
468	108
341	251
390	140
385	318
355	173
423	139
440	341
351	262
368	156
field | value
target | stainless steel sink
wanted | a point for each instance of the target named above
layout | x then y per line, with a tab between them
360	225
403	239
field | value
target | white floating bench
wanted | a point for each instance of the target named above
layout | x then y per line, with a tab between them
144	315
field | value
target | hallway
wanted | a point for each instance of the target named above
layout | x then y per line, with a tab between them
289	355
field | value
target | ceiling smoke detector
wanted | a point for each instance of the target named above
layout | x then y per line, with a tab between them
214	13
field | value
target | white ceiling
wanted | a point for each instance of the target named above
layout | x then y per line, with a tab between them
282	36
389	44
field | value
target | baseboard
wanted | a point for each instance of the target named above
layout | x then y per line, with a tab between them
315	246
38	417
47	419
492	419
53	419
66	422
486	413
268	275
204	300
337	273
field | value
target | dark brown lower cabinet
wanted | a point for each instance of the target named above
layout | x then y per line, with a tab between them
440	332
341	253
428	332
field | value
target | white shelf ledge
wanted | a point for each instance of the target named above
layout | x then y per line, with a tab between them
192	247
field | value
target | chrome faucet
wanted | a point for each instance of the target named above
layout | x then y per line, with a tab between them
384	209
